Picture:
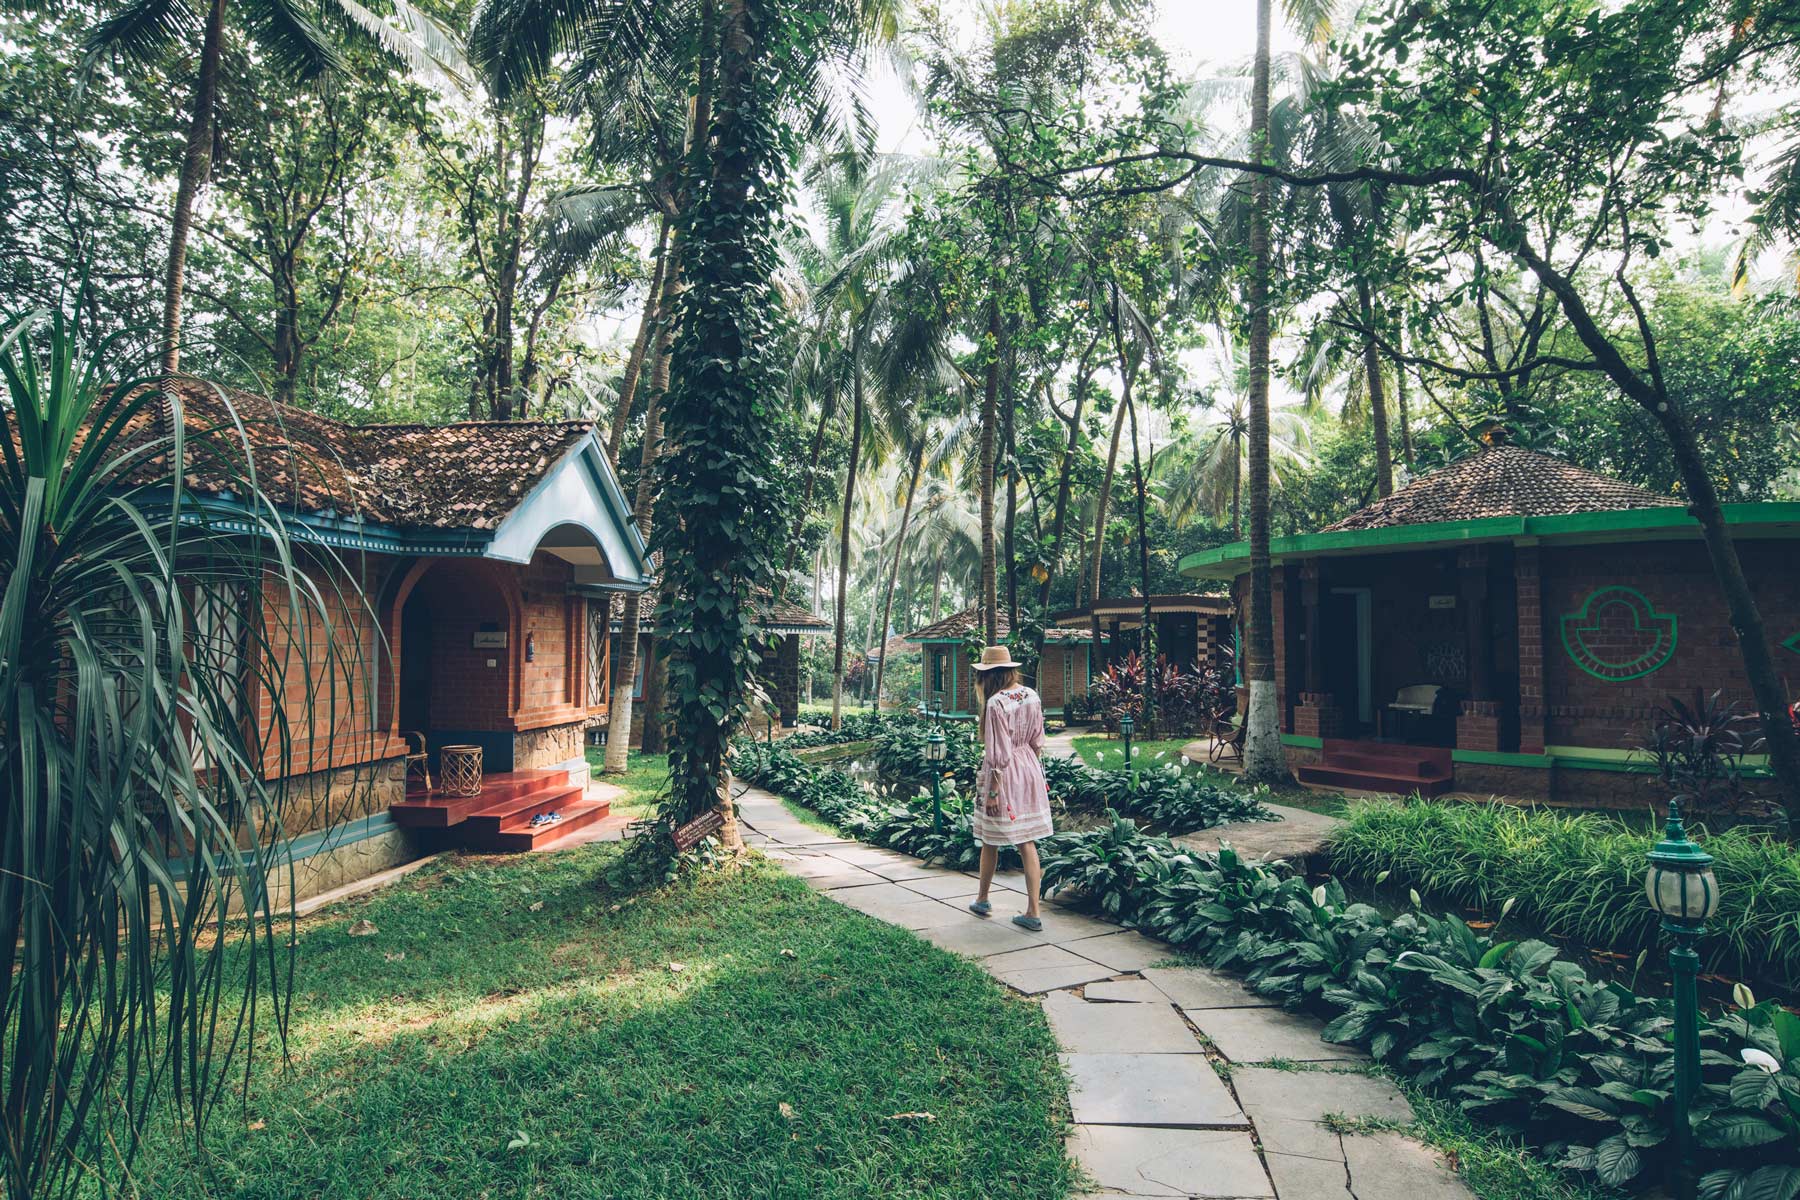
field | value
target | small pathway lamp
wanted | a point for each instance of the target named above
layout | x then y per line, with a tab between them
1684	892
934	755
1126	726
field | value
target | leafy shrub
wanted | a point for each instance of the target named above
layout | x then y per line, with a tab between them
1079	710
1167	797
1578	876
902	767
1698	751
1120	690
1521	1038
855	727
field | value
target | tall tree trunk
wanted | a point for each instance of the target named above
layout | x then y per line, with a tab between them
1384	453
1009	426
656	678
826	410
1065	476
196	165
618	736
1147	629
868	638
937	590
990	403
1406	445
887	604
1100	504
634	364
1264	760
1237	486
843	571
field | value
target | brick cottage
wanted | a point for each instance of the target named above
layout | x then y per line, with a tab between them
458	565
1508	625
947	686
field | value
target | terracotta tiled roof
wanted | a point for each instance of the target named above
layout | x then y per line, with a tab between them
1501	481
893	647
787	614
468	475
957	626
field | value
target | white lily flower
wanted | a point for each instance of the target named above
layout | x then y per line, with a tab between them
1760	1058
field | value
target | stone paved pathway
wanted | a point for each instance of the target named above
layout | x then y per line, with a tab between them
1165	1097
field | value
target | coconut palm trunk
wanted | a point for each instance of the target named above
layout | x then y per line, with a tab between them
1100	504
618	735
1065	478
1378	414
1264	760
196	165
990	404
887	603
843	566
634	364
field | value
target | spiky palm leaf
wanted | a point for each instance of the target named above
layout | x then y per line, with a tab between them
141	842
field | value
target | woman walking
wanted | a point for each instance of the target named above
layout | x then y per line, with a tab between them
1012	802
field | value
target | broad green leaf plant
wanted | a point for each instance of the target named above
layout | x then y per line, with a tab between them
141	834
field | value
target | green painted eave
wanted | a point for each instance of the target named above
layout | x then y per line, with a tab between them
1229	561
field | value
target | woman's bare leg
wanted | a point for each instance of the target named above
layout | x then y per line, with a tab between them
1033	875
990	858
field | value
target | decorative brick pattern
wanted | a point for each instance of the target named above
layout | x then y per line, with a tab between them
1318	715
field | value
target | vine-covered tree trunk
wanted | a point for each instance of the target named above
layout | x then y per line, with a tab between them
843	566
1406	446
716	472
196	164
1263	757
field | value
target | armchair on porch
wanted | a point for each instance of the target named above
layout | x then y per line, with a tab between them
1229	725
1412	704
418	759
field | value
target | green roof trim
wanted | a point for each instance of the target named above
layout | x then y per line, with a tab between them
1224	562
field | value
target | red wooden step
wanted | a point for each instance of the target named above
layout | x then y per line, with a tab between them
1329	774
437	811
517	812
577	815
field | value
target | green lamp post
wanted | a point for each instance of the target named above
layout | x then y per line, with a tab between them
934	755
1126	726
1683	891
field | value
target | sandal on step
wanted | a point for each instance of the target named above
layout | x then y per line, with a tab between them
1031	923
980	908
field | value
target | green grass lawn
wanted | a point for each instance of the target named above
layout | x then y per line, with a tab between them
507	1034
643	781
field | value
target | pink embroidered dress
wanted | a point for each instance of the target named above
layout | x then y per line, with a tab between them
1012	802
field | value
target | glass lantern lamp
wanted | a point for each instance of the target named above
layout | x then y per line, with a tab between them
1126	727
1683	891
934	756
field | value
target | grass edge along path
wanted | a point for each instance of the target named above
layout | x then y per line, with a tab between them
512	1029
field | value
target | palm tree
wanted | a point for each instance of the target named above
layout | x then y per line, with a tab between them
148	31
141	849
1263	757
1204	466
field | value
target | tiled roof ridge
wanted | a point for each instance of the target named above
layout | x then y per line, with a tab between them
1504	480
282	408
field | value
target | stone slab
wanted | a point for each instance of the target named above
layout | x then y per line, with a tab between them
954	886
878	892
1085	1027
848	877
1389	1166
917	914
909	870
1209	1163
1198	987
1063	926
1125	991
1314	1095
1299	836
1124	951
1176	1091
1249	1035
1301	1178
860	855
979	939
813	867
1043	968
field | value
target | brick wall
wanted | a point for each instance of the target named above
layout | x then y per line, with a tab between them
1675	578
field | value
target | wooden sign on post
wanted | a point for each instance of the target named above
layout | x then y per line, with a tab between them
688	836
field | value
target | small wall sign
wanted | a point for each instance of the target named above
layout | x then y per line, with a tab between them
688	836
490	639
1442	602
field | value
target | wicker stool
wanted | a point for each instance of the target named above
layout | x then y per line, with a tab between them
459	770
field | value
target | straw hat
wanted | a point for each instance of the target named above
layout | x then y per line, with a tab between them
995	657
